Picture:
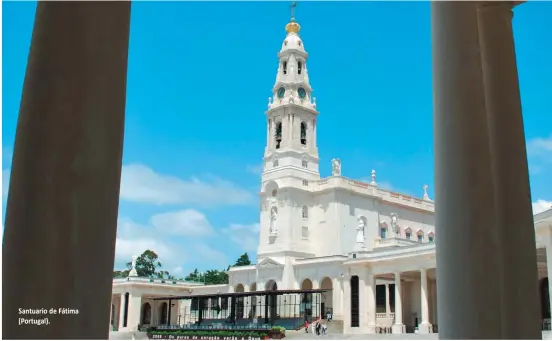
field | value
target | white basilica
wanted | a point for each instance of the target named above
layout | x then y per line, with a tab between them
373	250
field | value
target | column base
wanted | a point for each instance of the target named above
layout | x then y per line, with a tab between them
425	328
398	328
371	329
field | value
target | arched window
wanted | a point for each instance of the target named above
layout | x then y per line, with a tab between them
408	233
278	134
303	133
299	67
304	164
305	212
284	67
146	313
275	163
420	236
431	237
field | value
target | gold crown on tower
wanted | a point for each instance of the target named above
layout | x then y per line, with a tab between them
293	27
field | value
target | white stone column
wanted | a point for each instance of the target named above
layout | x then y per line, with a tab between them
134	311
61	213
367	297
520	301
387	301
425	326
122	312
468	306
398	326
346	304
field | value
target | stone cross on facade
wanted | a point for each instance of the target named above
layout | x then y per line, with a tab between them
293	5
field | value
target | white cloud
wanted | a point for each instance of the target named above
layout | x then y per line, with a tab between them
215	257
189	223
133	239
5	182
142	184
246	236
541	206
540	146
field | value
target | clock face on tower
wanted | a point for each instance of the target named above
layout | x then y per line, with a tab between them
281	92
302	93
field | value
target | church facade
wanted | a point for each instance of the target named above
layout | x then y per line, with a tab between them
371	249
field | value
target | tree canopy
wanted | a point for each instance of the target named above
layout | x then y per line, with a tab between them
148	265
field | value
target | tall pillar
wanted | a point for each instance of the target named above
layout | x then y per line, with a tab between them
464	195
519	281
134	312
61	215
398	326
367	289
425	326
387	301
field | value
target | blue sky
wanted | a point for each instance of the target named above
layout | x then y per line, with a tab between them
199	79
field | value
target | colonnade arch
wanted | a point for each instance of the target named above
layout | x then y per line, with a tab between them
326	303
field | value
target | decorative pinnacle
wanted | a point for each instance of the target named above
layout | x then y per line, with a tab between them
426	196
292	26
373	177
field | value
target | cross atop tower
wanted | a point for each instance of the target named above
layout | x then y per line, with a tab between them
293	5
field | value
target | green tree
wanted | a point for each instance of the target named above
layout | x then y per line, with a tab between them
243	260
147	265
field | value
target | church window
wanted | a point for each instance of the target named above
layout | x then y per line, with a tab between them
408	235
431	237
304	164
305	232
303	133
275	163
383	233
305	183
278	134
420	236
299	67
284	67
305	212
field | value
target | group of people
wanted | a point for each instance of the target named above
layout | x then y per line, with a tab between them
318	327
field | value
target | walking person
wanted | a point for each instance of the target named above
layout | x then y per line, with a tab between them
324	328
307	326
329	316
318	326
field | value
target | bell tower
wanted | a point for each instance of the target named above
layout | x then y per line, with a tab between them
290	169
291	114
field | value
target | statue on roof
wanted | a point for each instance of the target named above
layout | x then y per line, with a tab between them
336	167
133	272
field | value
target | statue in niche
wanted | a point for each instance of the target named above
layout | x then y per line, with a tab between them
273	217
360	230
394	225
336	167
